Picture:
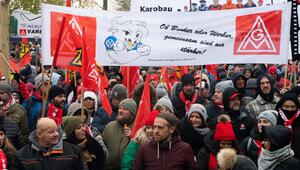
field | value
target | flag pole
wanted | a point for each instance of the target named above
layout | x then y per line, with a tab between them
201	70
75	81
291	76
83	57
7	62
128	90
285	77
295	73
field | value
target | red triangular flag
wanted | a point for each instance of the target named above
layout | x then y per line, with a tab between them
131	78
143	110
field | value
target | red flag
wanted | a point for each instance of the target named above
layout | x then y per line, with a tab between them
131	77
212	69
66	40
103	95
144	108
68	3
25	57
164	77
181	70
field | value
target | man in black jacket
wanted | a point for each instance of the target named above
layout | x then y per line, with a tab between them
48	151
187	96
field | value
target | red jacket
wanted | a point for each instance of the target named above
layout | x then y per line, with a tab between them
176	155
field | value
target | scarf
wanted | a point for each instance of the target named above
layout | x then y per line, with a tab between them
259	146
187	102
3	164
212	164
55	113
202	131
270	159
288	122
4	107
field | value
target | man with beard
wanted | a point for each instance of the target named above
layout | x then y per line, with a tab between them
241	122
187	96
116	134
165	150
239	82
265	99
8	108
56	108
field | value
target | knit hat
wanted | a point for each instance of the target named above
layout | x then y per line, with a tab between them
224	131
39	78
55	91
119	91
270	115
151	117
187	79
165	101
251	83
272	70
224	84
160	92
199	108
170	118
129	104
92	95
5	87
70	123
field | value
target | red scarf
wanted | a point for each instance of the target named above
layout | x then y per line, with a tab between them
3	164
55	113
187	103
212	164
259	146
288	122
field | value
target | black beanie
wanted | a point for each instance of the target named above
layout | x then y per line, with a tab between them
55	91
187	79
278	135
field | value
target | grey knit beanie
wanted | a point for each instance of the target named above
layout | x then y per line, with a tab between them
39	80
129	104
270	115
251	83
224	84
165	101
119	91
5	87
199	108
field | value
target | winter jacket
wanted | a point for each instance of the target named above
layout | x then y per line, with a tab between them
62	156
213	112
18	114
101	118
129	155
258	105
92	153
189	135
172	156
116	143
289	163
250	146
179	106
33	106
12	132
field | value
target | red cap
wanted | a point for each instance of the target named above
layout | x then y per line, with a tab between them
154	77
234	95
224	131
272	70
151	117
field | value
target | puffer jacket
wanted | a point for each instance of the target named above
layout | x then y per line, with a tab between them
62	156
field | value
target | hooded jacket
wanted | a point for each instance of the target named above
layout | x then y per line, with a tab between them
296	124
177	155
234	78
61	156
267	97
241	122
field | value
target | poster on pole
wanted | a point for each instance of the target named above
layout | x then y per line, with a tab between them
252	35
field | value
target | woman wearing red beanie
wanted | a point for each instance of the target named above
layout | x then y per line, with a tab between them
222	137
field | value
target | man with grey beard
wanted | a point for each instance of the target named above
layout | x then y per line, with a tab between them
116	134
187	96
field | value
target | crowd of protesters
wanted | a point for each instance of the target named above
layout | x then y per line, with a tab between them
235	116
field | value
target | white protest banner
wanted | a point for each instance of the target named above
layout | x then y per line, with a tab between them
159	5
252	35
29	24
